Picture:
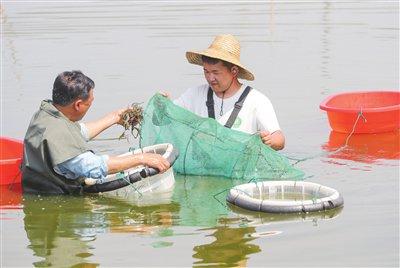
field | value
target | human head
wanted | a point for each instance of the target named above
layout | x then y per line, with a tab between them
219	74
73	92
226	48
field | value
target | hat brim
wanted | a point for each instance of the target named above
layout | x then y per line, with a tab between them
194	57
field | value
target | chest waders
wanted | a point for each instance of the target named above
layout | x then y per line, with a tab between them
50	140
236	109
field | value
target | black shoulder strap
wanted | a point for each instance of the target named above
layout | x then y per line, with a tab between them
237	108
210	103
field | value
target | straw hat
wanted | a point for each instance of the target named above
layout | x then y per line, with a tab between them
224	47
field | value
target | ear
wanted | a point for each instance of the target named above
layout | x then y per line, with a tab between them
76	105
235	70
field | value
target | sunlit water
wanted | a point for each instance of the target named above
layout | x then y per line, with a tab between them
299	52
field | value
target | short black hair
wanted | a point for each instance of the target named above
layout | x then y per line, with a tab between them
213	61
70	86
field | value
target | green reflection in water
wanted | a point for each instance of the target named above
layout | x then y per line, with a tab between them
230	248
195	194
61	229
161	244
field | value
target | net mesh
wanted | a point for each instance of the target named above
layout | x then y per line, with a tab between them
208	148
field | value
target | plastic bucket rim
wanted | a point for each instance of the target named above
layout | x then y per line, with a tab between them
324	104
10	161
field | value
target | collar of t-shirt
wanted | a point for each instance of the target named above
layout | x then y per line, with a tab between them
222	106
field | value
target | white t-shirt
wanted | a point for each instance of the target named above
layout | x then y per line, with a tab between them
257	113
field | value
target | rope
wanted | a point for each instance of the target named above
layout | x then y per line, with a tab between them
11	186
215	197
131	185
359	115
108	139
227	189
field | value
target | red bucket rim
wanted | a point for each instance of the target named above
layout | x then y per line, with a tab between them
324	105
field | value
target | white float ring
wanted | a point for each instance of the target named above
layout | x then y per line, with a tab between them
325	197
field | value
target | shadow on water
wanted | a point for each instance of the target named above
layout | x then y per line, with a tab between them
365	148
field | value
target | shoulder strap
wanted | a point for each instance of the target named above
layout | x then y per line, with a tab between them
210	103
237	108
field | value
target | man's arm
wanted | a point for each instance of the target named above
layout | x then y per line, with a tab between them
96	127
93	166
116	163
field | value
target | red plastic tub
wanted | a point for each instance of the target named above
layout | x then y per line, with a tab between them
381	110
10	160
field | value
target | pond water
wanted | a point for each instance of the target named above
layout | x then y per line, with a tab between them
300	52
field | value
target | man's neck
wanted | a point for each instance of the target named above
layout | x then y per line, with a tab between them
66	111
235	87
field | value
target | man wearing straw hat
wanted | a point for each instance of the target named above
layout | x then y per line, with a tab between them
225	98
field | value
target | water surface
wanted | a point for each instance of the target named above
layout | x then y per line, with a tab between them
300	52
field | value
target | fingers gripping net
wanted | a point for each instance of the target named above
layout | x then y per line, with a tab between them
208	148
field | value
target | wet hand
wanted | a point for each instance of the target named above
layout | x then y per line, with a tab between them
155	161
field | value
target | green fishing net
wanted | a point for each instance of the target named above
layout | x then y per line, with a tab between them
208	148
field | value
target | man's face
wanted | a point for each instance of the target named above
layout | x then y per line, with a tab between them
218	76
84	105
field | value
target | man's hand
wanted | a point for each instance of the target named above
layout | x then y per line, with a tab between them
266	137
276	140
96	127
165	94
117	115
155	161
114	117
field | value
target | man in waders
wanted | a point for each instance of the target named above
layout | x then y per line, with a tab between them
227	100
56	156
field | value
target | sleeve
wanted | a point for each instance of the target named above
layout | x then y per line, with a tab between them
84	131
86	165
266	117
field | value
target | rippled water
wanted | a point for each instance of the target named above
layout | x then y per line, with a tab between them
300	52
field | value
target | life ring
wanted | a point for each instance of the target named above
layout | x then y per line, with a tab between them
284	197
134	175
